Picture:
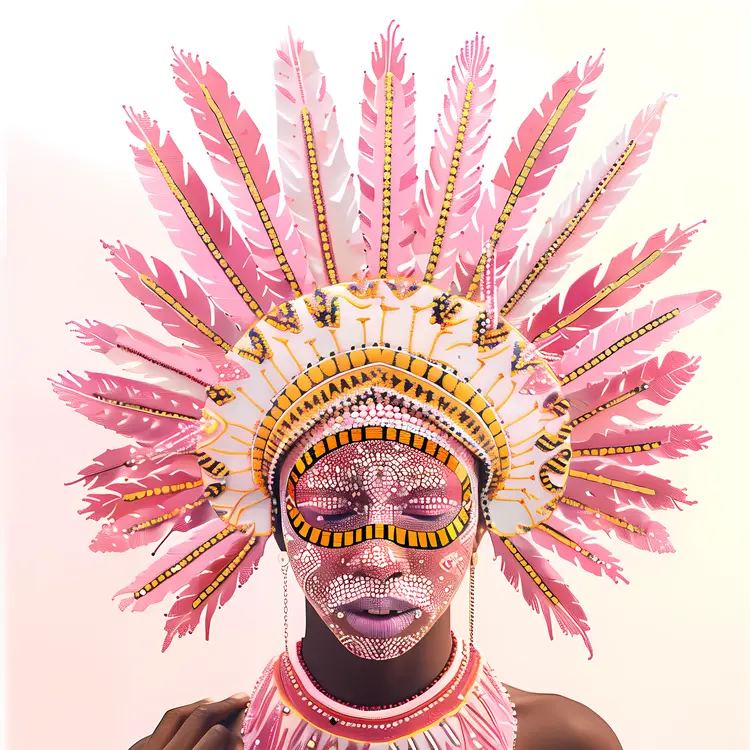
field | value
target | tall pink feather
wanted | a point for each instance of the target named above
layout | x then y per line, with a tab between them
451	187
674	441
625	396
577	548
596	296
645	534
173	367
319	186
553	152
147	413
580	216
387	165
177	319
568	613
241	161
653	325
183	618
600	479
108	489
197	224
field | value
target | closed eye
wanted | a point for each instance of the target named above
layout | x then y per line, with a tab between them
314	515
334	517
428	513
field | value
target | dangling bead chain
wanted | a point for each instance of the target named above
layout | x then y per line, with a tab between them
358	707
471	603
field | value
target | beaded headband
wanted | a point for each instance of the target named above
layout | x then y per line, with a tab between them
317	293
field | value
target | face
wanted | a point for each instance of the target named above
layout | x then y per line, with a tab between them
377	597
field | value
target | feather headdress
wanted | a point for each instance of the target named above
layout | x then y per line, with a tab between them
312	284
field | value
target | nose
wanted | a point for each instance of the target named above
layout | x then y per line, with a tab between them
379	560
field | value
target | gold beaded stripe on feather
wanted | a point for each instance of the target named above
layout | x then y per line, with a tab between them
167	489
517	187
437	243
600	296
191	318
404	538
203	233
179	565
388	150
529	568
609	404
254	192
601	514
318	201
620	344
144	409
224	574
160	519
617	450
567	231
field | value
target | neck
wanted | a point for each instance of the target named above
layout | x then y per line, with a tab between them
369	682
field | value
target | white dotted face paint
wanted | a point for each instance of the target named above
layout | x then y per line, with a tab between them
379	598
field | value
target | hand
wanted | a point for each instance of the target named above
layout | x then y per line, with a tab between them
203	725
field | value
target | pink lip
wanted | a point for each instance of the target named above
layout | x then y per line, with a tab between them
379	626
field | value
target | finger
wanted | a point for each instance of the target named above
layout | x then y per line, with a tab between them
218	737
141	744
169	725
235	725
203	718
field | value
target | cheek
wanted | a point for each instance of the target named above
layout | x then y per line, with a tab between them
313	567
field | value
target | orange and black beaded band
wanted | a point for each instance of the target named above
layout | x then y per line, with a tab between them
401	537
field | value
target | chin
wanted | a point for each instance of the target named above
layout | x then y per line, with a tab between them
381	649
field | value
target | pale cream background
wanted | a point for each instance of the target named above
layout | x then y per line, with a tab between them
671	649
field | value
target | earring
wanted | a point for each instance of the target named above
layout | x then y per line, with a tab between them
284	562
474	561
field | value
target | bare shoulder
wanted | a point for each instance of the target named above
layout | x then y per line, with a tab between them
552	722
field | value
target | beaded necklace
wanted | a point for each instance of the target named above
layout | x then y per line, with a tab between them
463	677
384	707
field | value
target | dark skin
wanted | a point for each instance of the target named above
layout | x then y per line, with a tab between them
545	722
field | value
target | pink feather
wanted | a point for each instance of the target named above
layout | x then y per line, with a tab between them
471	68
691	306
569	614
85	394
605	563
301	85
388	58
215	226
642	131
661	494
663	381
170	558
585	287
183	619
181	512
171	366
495	196
131	265
675	442
107	490
193	81
105	468
653	539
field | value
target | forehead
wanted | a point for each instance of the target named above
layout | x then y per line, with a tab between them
368	460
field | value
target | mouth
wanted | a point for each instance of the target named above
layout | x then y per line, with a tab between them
380	617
